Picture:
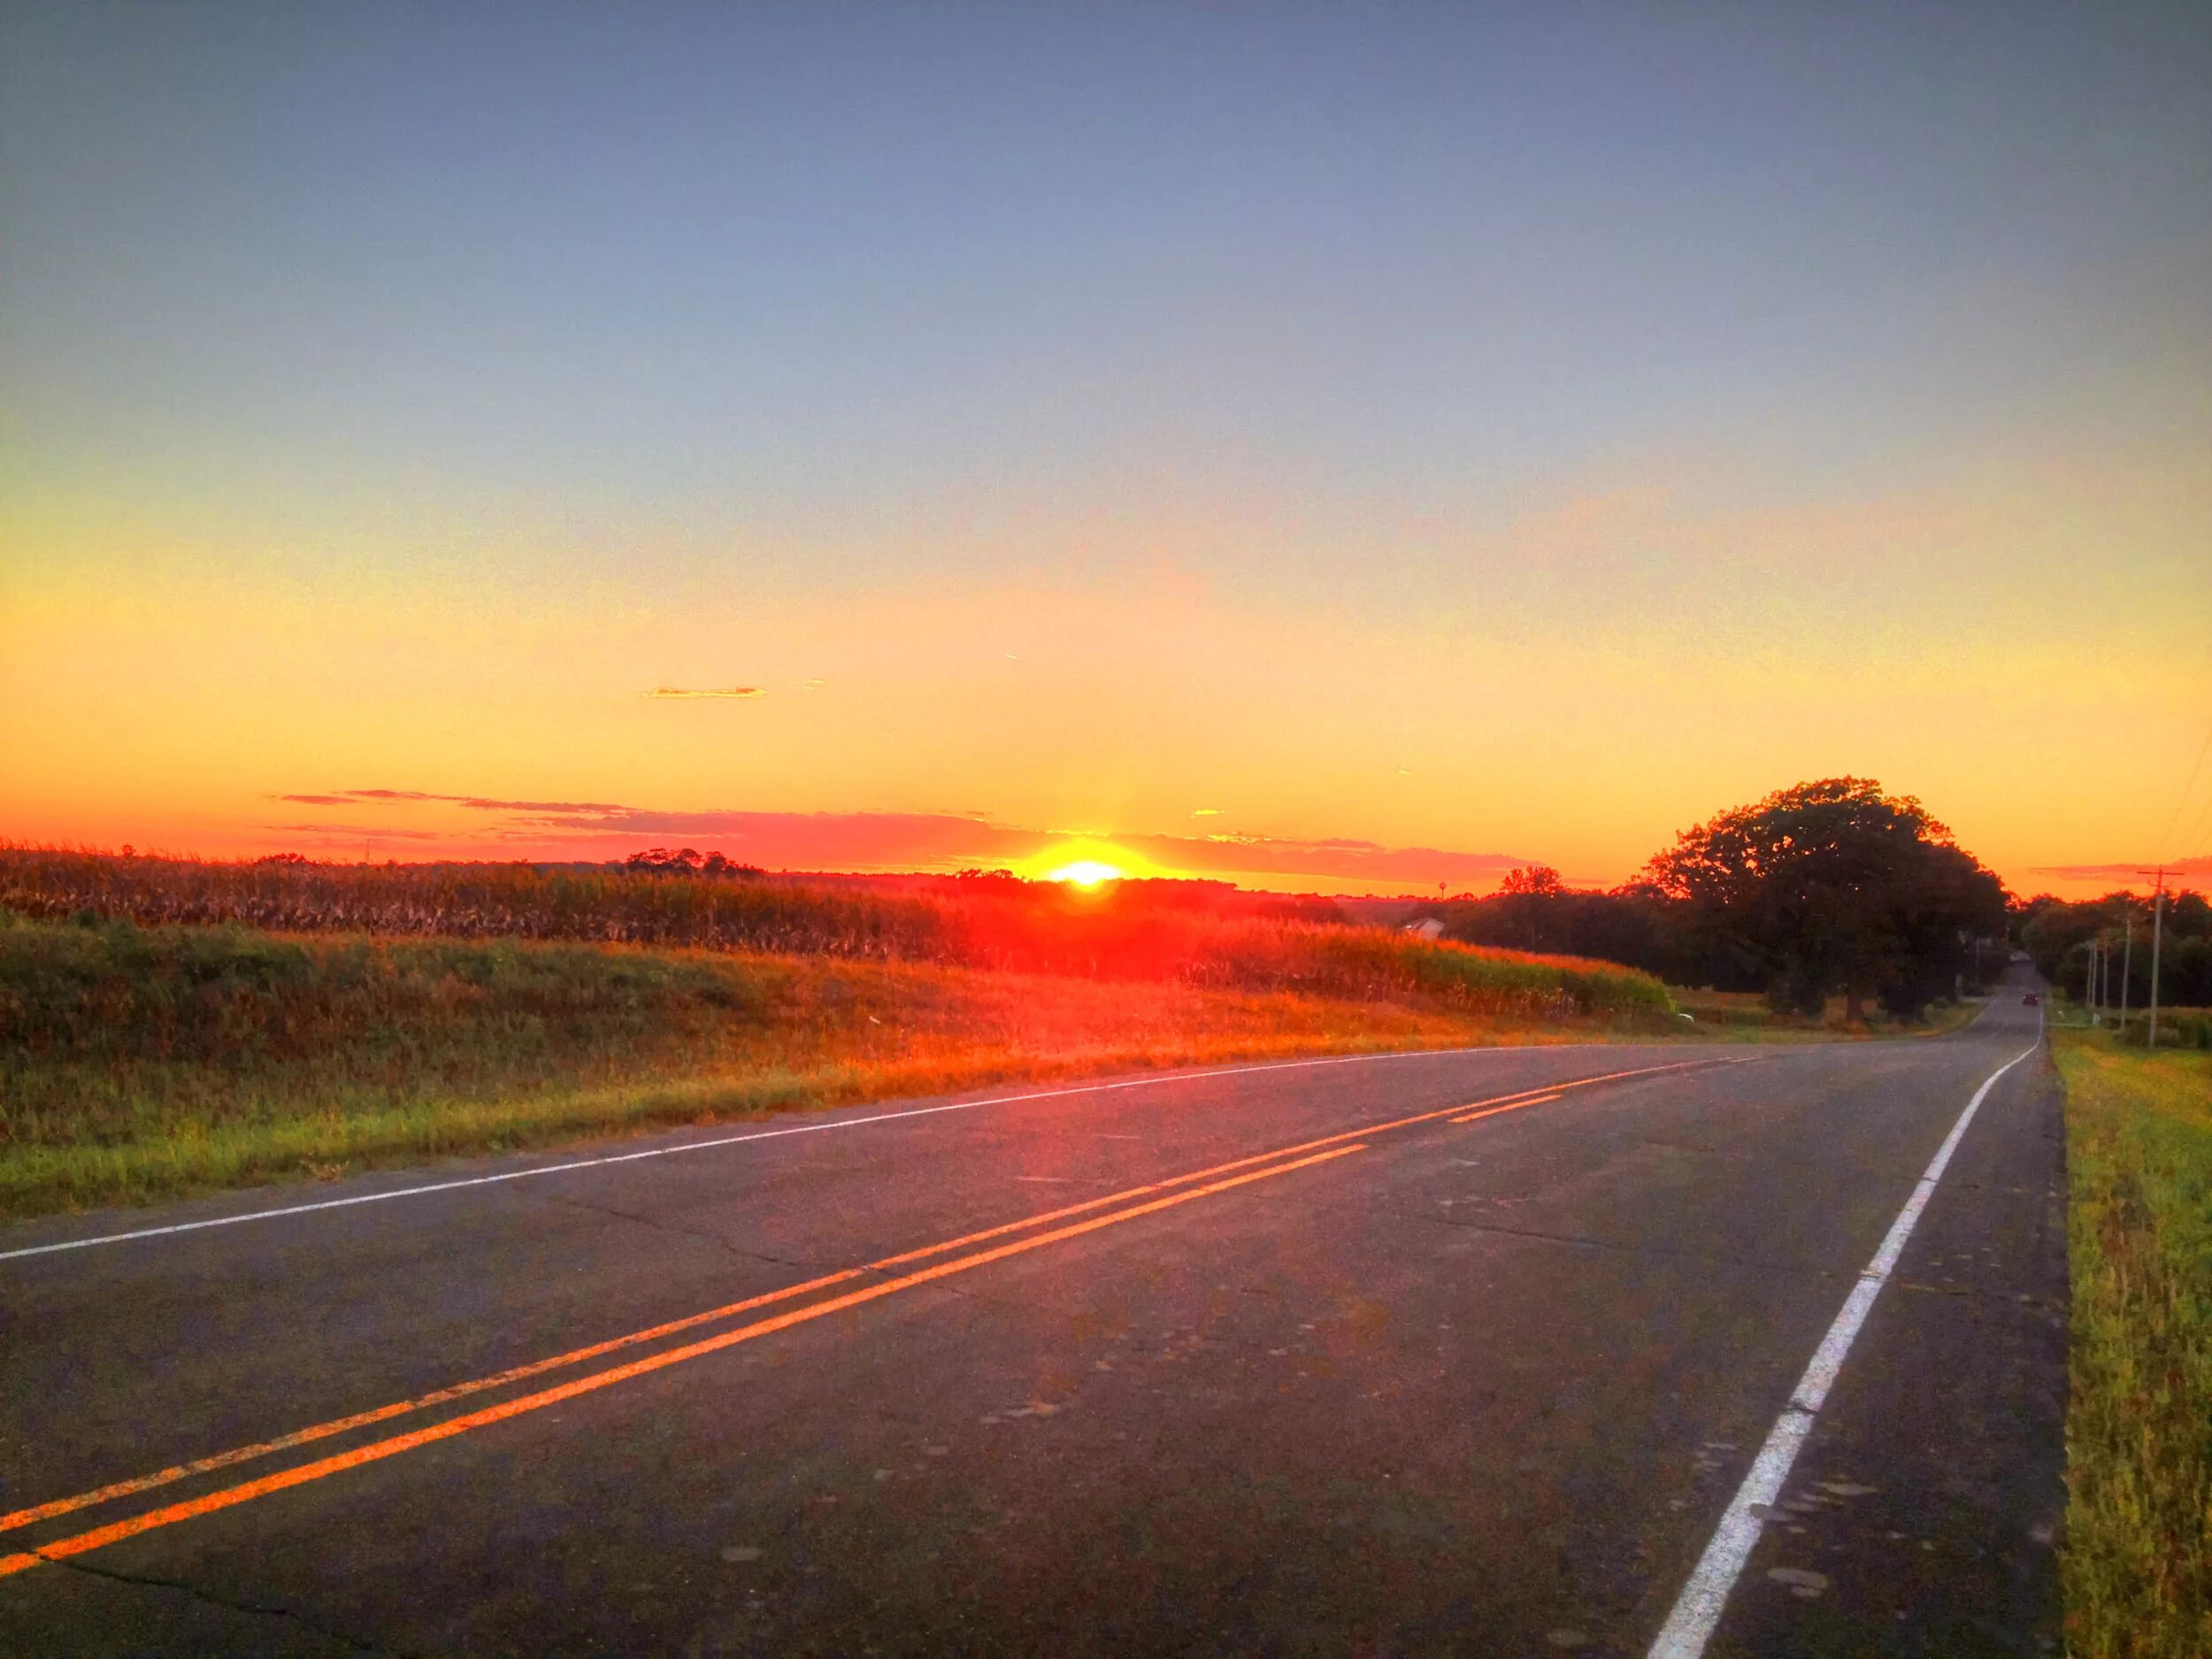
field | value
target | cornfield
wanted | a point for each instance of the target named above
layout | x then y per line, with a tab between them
1141	932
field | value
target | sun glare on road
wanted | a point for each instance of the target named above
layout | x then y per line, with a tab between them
1086	872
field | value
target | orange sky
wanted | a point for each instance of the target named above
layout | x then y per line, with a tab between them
1359	452
1577	713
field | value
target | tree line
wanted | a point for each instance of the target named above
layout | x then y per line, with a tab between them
2064	938
1831	888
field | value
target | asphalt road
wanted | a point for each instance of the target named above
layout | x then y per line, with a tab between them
1432	1387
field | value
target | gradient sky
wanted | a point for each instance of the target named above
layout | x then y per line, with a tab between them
1349	447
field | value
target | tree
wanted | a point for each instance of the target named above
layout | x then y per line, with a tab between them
1834	886
688	861
1536	879
2058	936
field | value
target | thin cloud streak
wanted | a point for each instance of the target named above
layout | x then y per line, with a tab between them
357	831
2129	872
686	693
882	842
474	802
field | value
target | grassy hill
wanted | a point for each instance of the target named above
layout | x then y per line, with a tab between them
410	1011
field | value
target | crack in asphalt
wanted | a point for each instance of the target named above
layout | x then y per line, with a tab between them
1730	1156
865	1270
1659	1251
715	1239
1967	1292
111	1575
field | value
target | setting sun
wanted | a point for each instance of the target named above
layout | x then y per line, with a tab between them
1088	862
1086	872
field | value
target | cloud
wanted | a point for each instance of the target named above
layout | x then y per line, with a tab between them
1206	812
480	803
1337	860
880	841
813	840
475	803
2129	872
357	832
679	693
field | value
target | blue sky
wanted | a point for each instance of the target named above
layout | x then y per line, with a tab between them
1317	310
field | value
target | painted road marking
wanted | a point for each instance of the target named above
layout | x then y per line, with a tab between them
381	1414
732	1140
1494	1110
1697	1610
61	1549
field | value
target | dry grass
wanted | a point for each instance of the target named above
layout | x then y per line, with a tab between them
2138	1567
138	1063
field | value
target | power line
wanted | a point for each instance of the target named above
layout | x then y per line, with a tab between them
2196	836
2204	747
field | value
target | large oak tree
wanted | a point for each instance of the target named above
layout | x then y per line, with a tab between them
1834	886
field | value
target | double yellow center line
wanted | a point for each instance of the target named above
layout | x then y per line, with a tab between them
1195	1185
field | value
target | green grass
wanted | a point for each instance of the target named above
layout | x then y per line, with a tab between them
1746	1014
2178	1028
2138	1566
137	1063
1204	934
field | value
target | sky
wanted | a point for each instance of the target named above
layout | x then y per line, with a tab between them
1335	449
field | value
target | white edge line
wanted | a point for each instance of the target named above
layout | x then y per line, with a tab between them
761	1135
1697	1610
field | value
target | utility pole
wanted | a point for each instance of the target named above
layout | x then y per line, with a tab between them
2158	918
2127	962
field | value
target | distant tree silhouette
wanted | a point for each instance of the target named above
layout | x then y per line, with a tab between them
1539	880
686	861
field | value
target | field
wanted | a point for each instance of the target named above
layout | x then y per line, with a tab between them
145	1053
1199	933
2177	1027
2138	1565
1746	1013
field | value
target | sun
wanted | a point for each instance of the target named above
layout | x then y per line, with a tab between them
1086	863
1086	873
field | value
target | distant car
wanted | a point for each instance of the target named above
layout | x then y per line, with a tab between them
2031	999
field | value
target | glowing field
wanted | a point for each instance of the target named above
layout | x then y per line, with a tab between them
141	1057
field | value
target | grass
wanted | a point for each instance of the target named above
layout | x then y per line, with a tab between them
476	901
1201	934
2138	1565
1746	1014
138	1063
2178	1028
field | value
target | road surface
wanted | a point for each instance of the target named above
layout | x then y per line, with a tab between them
1301	1359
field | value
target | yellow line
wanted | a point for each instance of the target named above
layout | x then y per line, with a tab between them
377	1450
575	1356
381	1414
1492	1112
